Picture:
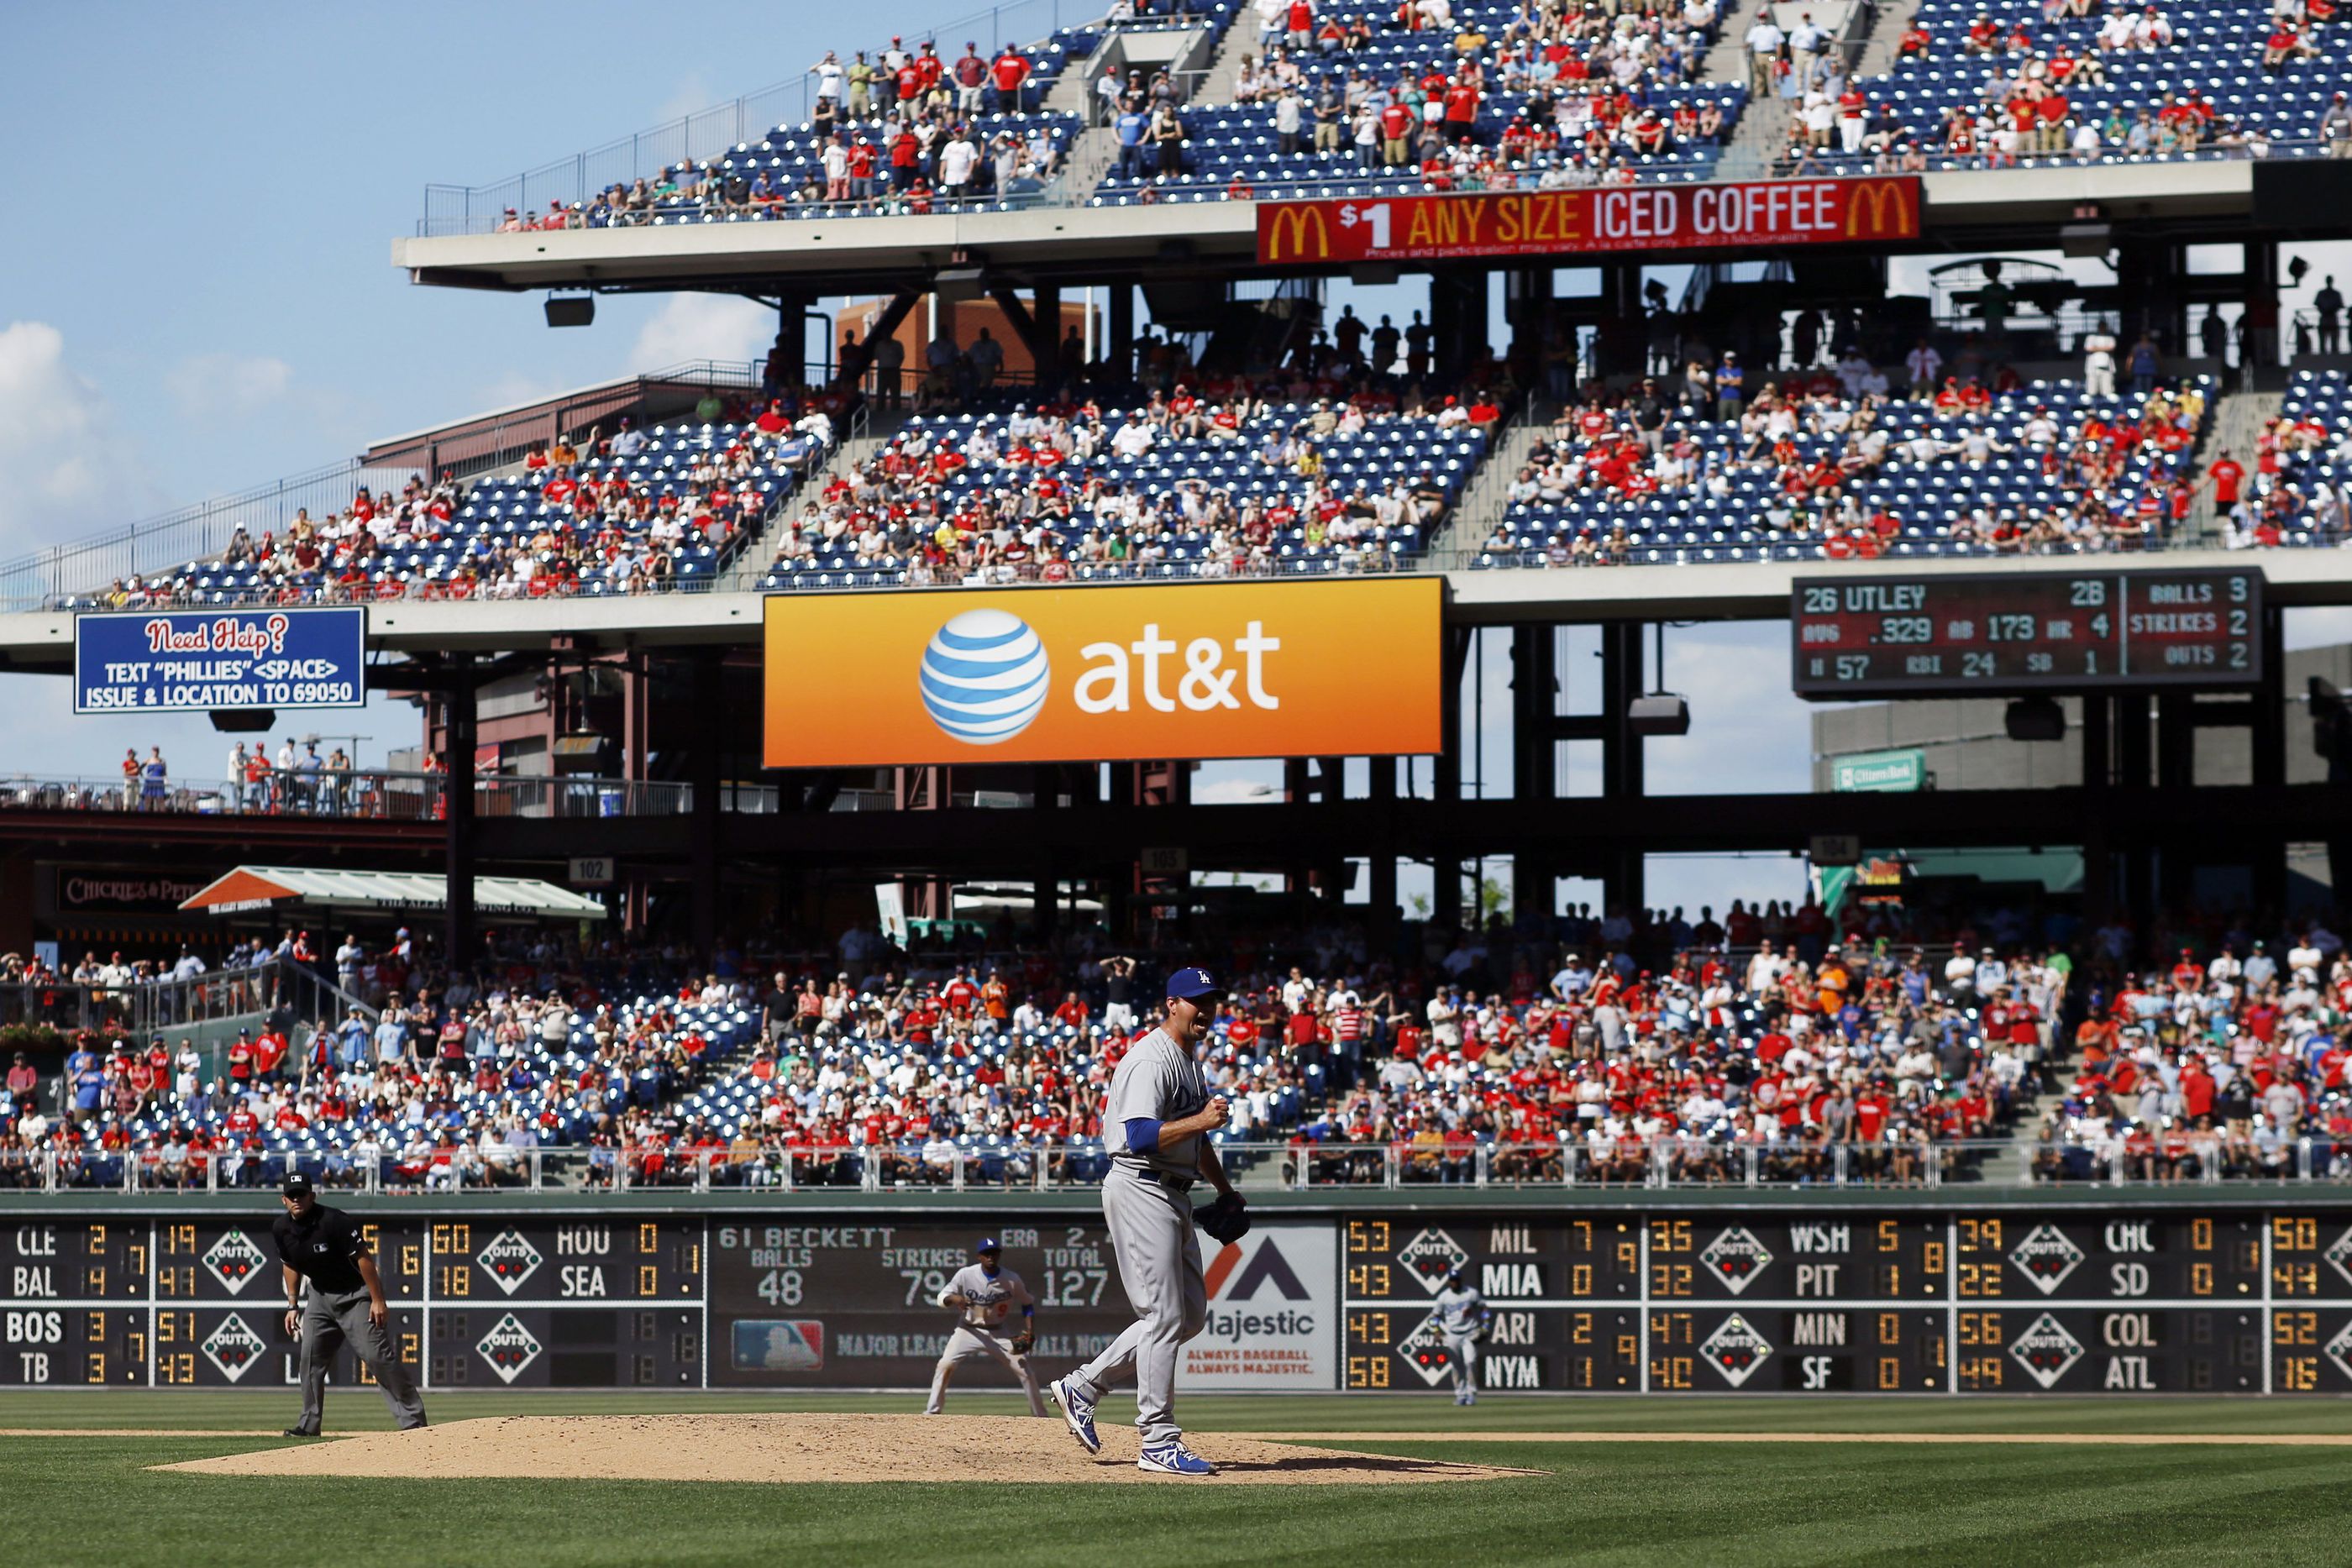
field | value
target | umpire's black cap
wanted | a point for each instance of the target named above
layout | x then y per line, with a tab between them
296	1184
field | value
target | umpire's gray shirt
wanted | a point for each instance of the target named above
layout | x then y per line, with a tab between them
1159	1079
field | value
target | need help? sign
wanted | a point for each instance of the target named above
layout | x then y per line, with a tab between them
180	661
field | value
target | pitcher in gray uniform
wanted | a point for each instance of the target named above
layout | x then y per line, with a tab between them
1462	1317
983	1295
1155	1122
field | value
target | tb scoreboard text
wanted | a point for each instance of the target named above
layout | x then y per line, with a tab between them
1681	1300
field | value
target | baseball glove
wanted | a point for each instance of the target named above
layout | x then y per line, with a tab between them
1023	1342
1225	1218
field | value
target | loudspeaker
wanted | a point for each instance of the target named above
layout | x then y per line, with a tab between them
2035	718
571	310
1660	713
245	720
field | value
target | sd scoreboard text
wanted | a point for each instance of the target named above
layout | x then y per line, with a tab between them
1996	633
1684	1298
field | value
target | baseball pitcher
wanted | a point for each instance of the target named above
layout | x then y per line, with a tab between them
1156	1120
986	1292
1461	1318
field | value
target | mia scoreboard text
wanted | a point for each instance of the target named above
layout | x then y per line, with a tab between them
1911	1300
1994	633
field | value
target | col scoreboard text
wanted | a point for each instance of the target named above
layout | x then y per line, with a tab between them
165	661
1990	632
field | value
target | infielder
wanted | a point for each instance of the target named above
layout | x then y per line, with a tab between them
1154	1120
986	1292
323	1246
1462	1317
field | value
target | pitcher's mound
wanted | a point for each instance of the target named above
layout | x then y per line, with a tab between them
793	1448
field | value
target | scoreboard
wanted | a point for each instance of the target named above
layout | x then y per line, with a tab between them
1915	1299
1988	633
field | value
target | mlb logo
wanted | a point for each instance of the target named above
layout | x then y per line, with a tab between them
778	1344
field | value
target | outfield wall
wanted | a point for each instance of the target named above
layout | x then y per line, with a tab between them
2186	1290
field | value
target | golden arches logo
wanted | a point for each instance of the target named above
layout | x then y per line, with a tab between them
1293	222
1881	209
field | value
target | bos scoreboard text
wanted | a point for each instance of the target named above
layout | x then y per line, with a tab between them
1944	1300
1988	633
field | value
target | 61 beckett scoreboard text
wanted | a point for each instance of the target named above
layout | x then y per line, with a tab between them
1988	634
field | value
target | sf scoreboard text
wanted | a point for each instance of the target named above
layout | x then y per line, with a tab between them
1995	633
1950	1300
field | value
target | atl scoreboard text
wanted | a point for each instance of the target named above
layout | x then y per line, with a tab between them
1683	1299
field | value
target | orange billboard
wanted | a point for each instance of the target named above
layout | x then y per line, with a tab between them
1109	673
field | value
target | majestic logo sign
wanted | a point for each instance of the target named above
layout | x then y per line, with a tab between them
1736	1257
509	1347
1268	1268
1095	674
1735	1349
233	1261
509	1259
1713	215
234	1347
1273	1316
2046	1350
2046	1257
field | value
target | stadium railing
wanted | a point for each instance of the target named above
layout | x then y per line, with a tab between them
374	795
1821	164
1662	1164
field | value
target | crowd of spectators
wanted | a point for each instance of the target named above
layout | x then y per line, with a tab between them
1456	97
1832	459
636	511
2065	81
1692	1041
2299	490
1225	478
2228	1062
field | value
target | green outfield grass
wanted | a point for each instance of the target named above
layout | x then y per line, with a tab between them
91	1499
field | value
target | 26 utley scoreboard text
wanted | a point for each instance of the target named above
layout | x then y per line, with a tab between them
1949	1300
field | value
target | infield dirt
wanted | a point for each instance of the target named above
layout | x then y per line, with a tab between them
799	1447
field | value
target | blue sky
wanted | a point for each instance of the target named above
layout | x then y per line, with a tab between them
202	297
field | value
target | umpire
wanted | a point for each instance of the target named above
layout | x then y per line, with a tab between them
323	1246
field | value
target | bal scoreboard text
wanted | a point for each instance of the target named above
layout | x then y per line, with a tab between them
1915	1299
1989	634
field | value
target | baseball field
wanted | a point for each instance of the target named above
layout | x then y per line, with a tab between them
1650	1480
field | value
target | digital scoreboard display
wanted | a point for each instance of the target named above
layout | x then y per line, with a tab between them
2005	633
1922	1298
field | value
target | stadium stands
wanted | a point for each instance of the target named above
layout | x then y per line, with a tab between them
1477	95
2301	490
1181	486
636	512
1810	470
1998	83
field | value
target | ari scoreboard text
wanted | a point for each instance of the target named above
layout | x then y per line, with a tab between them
2004	632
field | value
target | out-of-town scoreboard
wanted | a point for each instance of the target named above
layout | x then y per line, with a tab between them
1987	634
1946	1299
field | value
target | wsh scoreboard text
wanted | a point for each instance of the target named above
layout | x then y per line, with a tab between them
1896	1299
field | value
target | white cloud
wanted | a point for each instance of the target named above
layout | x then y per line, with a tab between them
230	386
704	327
67	466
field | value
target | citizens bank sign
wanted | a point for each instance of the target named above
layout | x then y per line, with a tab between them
1070	674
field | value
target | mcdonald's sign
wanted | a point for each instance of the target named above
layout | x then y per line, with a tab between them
1728	215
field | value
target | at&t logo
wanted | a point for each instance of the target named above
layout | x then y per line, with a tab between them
985	676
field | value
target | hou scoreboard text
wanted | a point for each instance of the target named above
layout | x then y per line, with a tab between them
1682	1298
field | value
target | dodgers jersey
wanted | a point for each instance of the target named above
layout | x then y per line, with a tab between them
1459	1310
989	1301
1157	1079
